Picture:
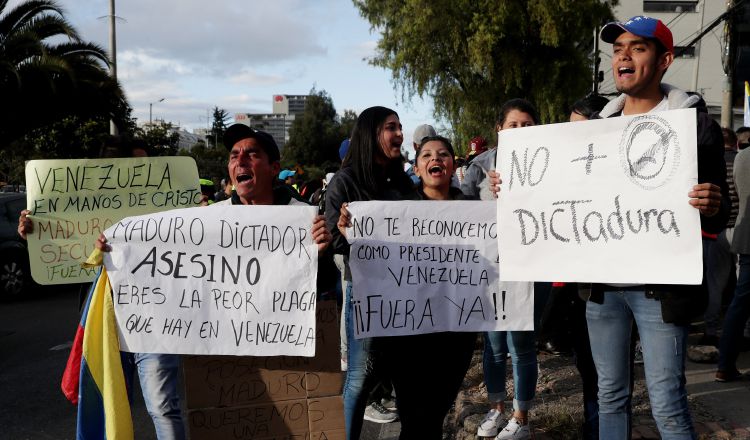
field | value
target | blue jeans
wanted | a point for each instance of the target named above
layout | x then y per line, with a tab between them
720	272
360	374
522	348
158	375
734	320
664	347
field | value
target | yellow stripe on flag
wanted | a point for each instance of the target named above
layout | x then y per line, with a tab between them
101	349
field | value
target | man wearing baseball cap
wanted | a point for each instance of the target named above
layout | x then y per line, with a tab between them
253	167
642	52
421	132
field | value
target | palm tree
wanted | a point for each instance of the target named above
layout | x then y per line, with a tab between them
47	72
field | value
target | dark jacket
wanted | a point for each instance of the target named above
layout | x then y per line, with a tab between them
282	195
681	303
454	194
344	188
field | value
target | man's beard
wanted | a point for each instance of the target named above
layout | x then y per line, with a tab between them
634	88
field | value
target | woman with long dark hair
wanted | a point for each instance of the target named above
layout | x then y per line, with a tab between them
371	170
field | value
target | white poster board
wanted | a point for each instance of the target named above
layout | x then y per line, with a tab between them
430	266
601	201
225	280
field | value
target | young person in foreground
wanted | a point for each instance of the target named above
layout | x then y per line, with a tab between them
425	392
371	170
642	53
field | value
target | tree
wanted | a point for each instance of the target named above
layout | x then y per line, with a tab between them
161	137
48	73
219	126
12	162
315	136
470	56
348	119
71	137
211	161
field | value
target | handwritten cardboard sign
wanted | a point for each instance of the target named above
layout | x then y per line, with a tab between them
73	201
269	397
430	266
601	201
232	280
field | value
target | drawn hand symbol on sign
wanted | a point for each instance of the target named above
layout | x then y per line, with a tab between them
649	151
651	162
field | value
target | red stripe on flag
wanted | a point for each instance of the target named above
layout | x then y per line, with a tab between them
72	373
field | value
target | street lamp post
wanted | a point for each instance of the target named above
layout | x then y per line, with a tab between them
113	49
150	111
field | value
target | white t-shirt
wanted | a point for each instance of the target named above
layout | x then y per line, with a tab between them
662	106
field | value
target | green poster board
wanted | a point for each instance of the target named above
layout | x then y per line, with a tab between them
72	201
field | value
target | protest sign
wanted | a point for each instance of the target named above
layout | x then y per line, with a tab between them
233	280
269	397
430	266
73	201
601	201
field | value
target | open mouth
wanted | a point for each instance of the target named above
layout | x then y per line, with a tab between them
243	178
435	170
622	71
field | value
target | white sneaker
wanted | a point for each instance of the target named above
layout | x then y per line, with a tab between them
514	431
375	412
491	424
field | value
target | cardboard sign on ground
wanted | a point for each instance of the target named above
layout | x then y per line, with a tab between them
275	397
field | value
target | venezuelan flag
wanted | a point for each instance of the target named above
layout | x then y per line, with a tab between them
103	405
72	371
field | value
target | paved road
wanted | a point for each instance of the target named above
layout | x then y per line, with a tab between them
35	335
731	401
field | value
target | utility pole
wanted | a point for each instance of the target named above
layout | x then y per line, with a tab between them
205	136
113	54
595	78
697	51
150	112
726	101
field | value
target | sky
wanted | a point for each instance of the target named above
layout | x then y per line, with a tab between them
237	54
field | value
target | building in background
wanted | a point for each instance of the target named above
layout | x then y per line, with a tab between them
278	124
698	68
289	104
203	133
186	140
